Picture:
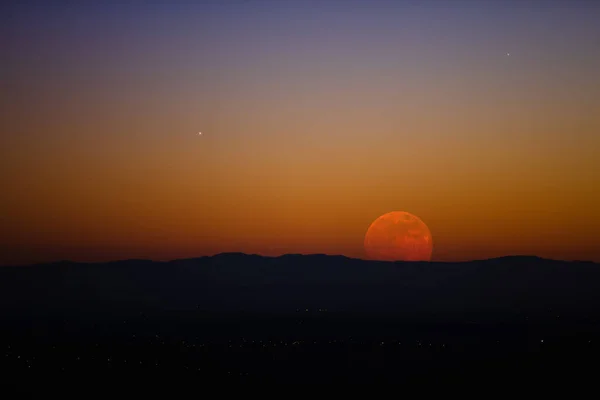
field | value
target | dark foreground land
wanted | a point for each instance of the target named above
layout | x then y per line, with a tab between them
473	325
330	349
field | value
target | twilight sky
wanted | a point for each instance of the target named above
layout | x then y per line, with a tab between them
317	117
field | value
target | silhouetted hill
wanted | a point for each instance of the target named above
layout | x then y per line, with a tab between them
508	287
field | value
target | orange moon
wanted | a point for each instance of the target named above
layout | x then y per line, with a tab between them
398	236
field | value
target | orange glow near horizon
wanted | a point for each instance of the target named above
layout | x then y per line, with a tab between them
305	141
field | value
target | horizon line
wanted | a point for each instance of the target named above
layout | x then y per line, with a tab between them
236	253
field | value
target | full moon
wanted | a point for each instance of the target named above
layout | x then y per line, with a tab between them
398	236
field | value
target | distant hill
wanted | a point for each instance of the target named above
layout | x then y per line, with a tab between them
234	282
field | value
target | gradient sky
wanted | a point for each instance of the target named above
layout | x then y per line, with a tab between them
317	117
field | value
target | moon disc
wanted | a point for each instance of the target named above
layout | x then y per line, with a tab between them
398	236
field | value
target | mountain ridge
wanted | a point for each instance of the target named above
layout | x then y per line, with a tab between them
234	282
516	257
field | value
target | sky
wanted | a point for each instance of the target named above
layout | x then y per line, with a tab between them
479	117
